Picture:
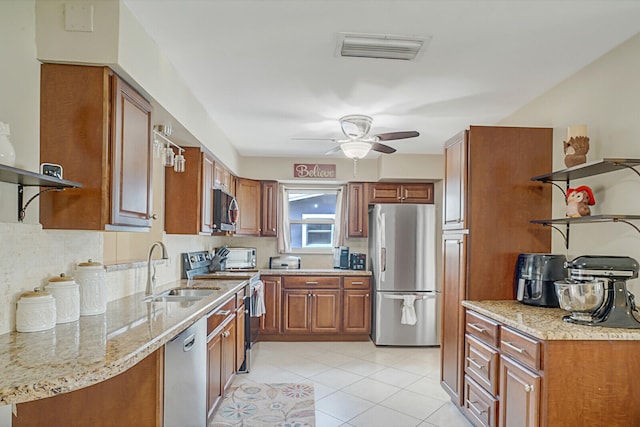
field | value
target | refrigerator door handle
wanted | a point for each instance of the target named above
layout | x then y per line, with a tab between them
383	259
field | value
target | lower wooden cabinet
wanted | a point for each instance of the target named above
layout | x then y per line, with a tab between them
270	321
317	308
519	395
214	376
481	407
240	335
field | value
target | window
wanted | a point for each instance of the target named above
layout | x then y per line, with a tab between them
310	225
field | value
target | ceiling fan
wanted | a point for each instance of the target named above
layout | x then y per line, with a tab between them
356	128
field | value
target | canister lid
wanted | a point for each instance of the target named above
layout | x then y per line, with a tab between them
90	263
61	278
36	293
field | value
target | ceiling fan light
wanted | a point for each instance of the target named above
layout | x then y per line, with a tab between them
355	126
355	149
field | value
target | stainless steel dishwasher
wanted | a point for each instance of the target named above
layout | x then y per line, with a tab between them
185	376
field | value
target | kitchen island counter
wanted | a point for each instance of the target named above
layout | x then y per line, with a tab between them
546	323
95	348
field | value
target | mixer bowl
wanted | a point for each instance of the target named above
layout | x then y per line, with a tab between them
582	299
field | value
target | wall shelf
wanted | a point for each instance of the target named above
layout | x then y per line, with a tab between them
583	171
24	178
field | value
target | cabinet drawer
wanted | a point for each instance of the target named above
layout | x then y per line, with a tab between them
482	328
481	363
218	316
357	283
520	347
480	406
310	282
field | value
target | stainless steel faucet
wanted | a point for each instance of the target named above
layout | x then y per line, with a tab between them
151	279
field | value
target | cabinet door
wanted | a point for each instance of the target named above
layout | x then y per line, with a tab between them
455	182
384	193
454	255
214	377
297	312
248	197
228	354
417	193
208	178
240	336
519	395
184	195
357	312
269	208
358	219
132	157
222	178
270	322
325	311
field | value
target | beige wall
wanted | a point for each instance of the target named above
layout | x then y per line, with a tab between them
603	95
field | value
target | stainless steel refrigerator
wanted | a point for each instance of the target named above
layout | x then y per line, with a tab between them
402	250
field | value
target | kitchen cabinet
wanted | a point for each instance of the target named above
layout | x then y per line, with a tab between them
519	394
312	309
240	331
318	308
99	129
222	178
270	322
356	313
132	398
248	197
388	192
221	348
357	210
582	171
189	194
269	212
489	200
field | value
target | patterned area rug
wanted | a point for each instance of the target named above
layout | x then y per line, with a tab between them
267	405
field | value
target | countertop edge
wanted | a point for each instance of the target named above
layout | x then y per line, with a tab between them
49	387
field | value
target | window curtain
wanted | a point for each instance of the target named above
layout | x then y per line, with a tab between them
284	231
341	213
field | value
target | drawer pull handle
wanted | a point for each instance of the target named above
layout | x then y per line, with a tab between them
528	388
477	328
513	347
473	406
357	283
223	313
474	363
312	283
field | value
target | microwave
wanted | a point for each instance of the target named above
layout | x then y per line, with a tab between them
225	211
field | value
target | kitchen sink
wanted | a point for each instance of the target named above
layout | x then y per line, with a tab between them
183	294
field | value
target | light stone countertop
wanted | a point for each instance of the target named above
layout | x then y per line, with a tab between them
314	272
546	323
95	348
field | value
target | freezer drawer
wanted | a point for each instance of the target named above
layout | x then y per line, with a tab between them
387	317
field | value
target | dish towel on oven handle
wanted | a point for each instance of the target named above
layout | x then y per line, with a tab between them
257	303
408	308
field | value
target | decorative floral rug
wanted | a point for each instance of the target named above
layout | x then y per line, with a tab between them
267	405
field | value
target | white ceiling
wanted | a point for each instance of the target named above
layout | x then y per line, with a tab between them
266	70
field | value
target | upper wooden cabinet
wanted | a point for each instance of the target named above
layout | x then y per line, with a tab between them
99	129
248	197
357	204
269	218
455	182
388	192
223	179
189	195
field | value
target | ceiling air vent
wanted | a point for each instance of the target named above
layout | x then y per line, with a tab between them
384	46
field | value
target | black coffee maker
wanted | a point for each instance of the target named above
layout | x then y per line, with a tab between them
534	277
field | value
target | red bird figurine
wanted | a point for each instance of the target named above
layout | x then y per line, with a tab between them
578	201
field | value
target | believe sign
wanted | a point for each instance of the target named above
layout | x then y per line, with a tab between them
313	170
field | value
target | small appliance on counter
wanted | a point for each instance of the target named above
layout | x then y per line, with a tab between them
535	274
341	257
596	293
240	259
284	262
357	261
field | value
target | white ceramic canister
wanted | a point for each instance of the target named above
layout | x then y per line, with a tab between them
92	278
66	292
36	311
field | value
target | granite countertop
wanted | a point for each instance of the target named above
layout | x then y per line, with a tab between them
95	348
315	272
546	323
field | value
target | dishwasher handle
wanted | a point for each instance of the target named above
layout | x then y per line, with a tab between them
188	343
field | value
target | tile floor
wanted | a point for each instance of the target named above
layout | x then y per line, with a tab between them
358	384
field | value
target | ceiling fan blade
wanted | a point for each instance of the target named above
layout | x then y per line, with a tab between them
315	139
332	151
381	148
389	136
